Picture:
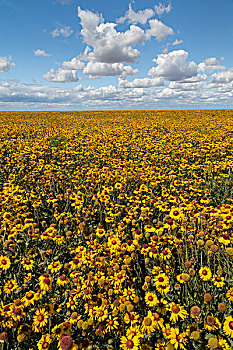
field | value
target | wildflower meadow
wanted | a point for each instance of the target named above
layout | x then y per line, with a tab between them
116	230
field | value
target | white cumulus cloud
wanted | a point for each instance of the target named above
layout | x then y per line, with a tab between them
73	64
209	65
61	75
159	30
108	69
140	83
173	66
223	77
6	64
39	52
109	45
136	17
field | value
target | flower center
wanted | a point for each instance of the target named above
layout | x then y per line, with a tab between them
175	309
29	295
129	344
147	321
46	281
40	317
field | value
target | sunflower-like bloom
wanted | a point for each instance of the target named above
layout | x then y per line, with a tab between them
44	342
55	266
5	262
177	311
10	286
178	340
151	299
29	298
129	293
45	282
218	281
28	264
212	323
40	319
111	324
148	324
176	214
62	280
228	326
229	294
130	342
205	273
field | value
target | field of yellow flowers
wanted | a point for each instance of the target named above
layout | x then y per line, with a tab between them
116	230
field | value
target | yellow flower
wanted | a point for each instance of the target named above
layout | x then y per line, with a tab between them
205	273
55	266
212	323
228	326
45	282
229	294
27	264
218	281
10	286
44	342
176	214
40	319
129	293
62	280
130	342
29	298
166	254
111	324
148	324
5	262
161	279
178	340
151	299
177	311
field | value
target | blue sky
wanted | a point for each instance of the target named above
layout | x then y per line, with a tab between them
77	55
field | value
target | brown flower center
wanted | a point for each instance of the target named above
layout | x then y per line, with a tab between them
210	320
147	321
29	295
175	309
40	317
129	344
46	281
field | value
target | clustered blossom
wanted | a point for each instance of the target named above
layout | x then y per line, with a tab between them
116	230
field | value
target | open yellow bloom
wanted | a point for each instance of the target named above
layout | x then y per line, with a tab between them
177	311
228	326
5	262
130	342
205	273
